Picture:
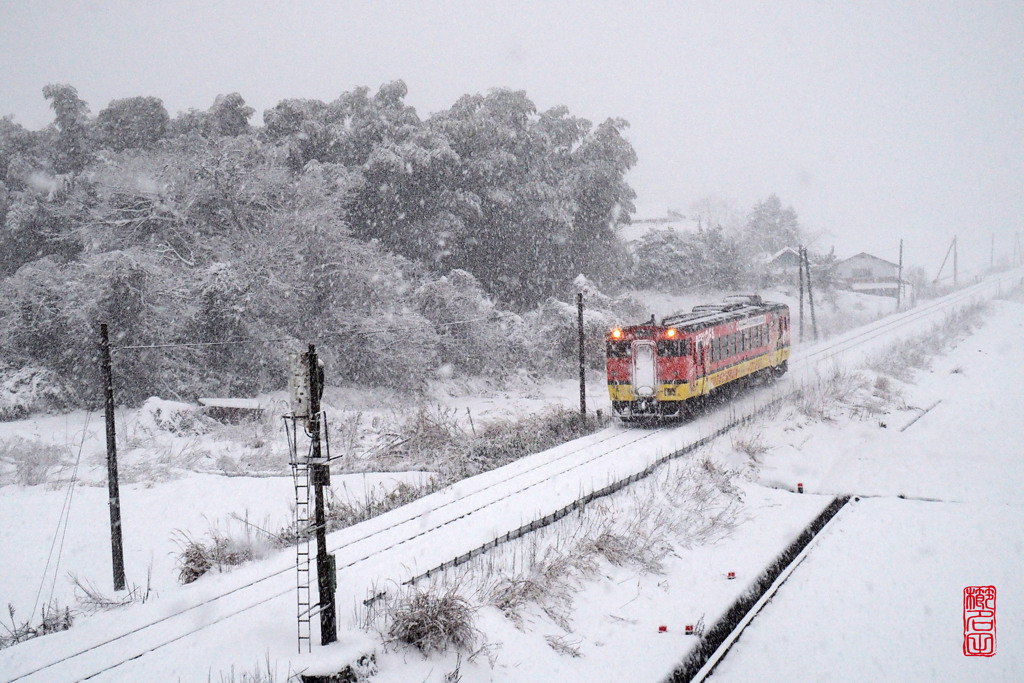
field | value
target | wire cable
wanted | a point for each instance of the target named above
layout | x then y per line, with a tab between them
65	513
280	340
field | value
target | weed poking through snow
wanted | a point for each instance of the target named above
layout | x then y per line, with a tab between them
432	620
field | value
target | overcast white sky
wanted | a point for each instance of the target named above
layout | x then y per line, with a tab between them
874	120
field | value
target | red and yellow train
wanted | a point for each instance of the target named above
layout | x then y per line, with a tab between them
654	370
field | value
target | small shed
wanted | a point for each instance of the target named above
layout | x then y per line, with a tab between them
232	410
786	258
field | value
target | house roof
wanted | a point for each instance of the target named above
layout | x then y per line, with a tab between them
232	403
785	250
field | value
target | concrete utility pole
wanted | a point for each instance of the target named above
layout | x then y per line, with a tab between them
326	571
116	547
583	369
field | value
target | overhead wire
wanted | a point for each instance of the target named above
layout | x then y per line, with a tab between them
349	331
62	521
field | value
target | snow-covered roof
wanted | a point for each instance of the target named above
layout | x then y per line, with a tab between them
864	254
235	403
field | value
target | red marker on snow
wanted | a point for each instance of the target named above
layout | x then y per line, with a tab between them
662	629
800	487
732	575
689	629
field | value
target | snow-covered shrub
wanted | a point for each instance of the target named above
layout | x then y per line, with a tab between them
29	463
181	419
432	621
552	329
503	441
474	337
30	389
391	349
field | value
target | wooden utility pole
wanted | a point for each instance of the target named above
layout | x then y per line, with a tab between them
583	370
800	253
951	250
899	278
326	571
810	295
955	272
116	547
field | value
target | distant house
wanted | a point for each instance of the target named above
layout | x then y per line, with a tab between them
232	410
785	259
868	274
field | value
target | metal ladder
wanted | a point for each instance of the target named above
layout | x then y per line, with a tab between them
303	599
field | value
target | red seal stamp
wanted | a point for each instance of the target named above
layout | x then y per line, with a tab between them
979	621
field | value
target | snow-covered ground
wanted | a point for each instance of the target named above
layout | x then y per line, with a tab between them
881	596
615	620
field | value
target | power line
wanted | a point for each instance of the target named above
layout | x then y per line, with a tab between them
62	520
280	340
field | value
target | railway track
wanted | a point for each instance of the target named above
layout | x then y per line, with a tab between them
433	529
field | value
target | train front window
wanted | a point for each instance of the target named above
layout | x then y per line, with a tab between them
618	349
673	348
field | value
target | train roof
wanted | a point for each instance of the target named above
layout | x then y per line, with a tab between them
735	307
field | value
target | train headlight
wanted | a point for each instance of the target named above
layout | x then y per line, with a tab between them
616	333
671	334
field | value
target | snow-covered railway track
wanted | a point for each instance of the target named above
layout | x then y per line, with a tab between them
411	541
85	656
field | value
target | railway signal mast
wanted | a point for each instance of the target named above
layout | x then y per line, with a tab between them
306	379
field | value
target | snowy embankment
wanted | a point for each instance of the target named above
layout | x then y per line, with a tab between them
881	596
609	627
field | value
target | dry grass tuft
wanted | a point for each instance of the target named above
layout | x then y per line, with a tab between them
52	618
91	599
221	550
30	463
563	646
903	358
432	621
750	444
